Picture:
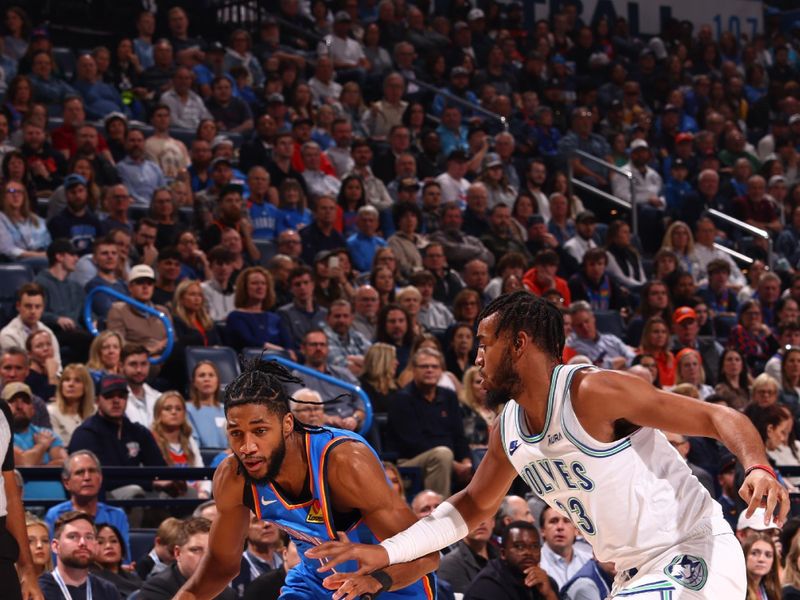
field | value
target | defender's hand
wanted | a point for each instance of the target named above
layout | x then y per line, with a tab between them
759	485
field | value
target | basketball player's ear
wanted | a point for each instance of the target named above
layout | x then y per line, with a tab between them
288	424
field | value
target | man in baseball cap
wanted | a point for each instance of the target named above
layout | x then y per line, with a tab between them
28	436
136	326
685	329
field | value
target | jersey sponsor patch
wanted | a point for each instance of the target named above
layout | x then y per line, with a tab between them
689	571
315	513
513	447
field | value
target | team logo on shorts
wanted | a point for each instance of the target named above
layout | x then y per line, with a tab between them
689	571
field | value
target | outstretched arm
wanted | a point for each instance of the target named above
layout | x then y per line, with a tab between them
604	397
222	561
446	525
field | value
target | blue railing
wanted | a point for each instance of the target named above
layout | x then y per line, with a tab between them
87	318
353	389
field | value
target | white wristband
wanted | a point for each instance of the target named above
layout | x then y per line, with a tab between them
443	527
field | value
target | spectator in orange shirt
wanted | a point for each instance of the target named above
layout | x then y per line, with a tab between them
655	342
542	276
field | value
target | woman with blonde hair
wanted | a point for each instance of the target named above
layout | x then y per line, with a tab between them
477	416
293	205
761	560
791	573
206	414
690	370
105	351
39	542
378	380
43	375
679	240
74	401
173	434
193	325
253	324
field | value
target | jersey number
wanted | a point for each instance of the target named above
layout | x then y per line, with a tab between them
581	519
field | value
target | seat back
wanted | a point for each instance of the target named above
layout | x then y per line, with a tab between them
142	541
610	321
13	276
224	359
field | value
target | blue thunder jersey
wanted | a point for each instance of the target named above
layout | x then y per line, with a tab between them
312	520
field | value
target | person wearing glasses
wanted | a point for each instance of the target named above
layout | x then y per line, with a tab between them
75	544
82	477
134	326
23	236
425	427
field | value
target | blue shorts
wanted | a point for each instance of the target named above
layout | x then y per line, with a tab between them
302	584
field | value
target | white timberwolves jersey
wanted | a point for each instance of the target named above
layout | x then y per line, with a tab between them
631	499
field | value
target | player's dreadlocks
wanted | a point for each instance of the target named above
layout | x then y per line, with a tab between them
539	318
261	382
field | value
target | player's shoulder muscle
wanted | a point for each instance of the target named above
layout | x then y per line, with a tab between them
228	484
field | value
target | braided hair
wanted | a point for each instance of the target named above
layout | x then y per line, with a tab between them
539	318
261	382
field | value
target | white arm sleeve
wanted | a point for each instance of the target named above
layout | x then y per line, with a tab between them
444	526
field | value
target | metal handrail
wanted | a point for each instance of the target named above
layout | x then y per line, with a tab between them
605	163
610	197
354	389
734	253
762	233
571	180
457	100
102	289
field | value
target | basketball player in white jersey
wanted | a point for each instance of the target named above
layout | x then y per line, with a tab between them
587	441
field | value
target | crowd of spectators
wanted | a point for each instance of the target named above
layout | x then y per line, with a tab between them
346	184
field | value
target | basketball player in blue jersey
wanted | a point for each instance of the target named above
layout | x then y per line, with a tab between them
316	484
587	441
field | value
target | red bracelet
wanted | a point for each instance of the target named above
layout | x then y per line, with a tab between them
766	468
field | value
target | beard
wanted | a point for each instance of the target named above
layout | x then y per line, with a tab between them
276	461
21	424
75	562
505	384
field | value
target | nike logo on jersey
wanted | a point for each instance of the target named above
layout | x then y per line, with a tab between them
266	502
513	447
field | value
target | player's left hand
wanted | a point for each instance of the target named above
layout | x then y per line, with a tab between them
349	586
760	489
370	557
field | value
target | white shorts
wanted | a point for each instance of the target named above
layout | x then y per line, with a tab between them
705	567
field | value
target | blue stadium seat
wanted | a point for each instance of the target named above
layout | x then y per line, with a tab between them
224	359
141	542
209	454
722	327
610	321
267	249
13	277
66	61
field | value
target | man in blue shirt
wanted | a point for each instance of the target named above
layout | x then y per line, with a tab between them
364	243
76	222
141	176
33	446
263	214
83	479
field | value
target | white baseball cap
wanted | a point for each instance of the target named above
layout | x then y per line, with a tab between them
755	522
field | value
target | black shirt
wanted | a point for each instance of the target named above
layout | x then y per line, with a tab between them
416	425
101	590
